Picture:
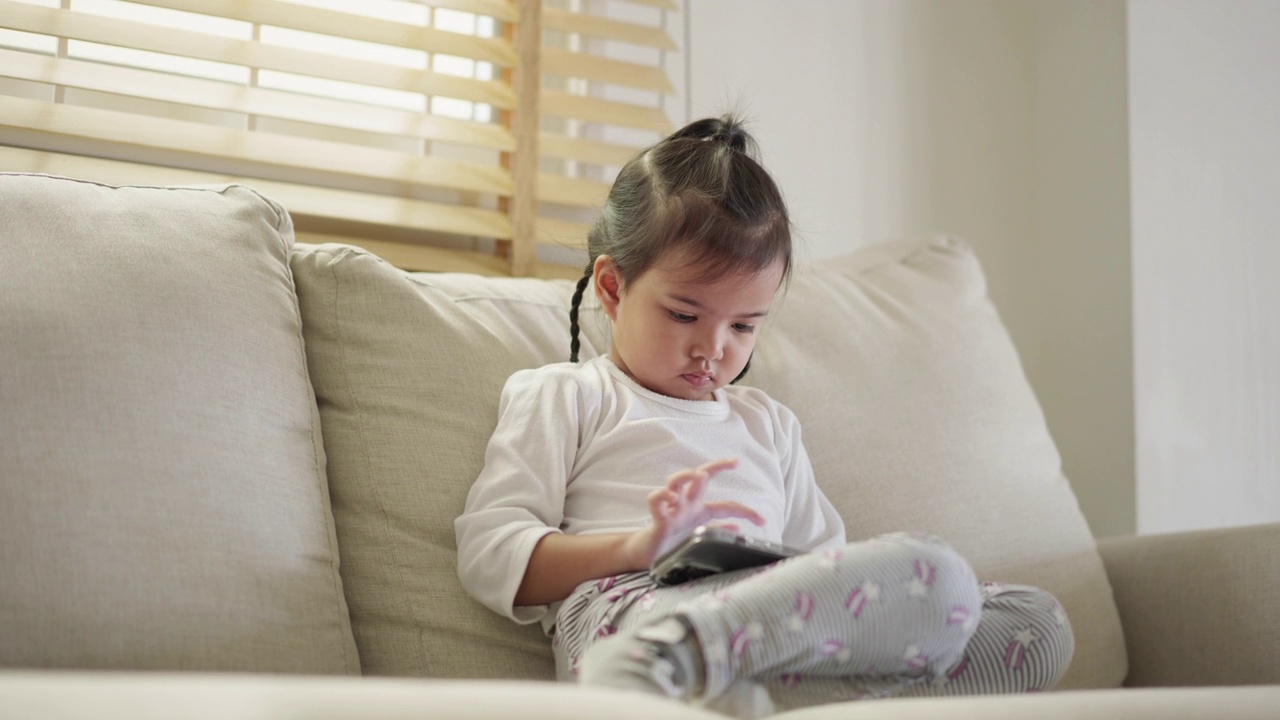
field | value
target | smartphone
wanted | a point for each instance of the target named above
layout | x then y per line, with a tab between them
710	550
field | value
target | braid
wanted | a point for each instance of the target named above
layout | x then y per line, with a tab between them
573	313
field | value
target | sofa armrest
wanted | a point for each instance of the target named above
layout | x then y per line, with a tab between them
1199	608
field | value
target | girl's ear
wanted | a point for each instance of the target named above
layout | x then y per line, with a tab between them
608	285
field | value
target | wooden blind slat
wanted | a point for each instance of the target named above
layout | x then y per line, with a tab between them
503	10
300	200
216	95
562	104
578	192
606	29
660	4
391	213
587	151
32	123
554	232
199	46
593	67
350	26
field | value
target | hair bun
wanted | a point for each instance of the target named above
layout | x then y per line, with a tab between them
727	130
735	133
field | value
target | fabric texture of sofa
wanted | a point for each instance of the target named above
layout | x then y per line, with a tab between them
234	462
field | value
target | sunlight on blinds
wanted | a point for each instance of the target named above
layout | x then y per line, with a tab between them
603	99
416	102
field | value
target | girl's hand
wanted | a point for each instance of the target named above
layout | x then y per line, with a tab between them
561	562
681	506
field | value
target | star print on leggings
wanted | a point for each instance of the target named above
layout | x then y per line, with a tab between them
860	597
1016	654
925	574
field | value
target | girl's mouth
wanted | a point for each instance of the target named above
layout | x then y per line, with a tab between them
698	379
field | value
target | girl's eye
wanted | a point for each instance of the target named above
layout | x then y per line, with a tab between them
744	328
681	317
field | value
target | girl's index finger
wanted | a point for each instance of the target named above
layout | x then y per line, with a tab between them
696	485
679	481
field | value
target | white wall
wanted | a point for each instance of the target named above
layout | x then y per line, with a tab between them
1205	125
885	118
836	106
1002	121
1081	363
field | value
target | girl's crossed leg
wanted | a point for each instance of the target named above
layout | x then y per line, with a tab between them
898	615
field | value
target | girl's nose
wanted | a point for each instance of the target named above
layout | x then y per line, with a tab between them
709	346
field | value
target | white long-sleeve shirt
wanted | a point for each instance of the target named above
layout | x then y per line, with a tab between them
579	447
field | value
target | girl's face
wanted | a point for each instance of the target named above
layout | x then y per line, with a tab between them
678	334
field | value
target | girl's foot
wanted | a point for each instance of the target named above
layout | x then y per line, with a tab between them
660	659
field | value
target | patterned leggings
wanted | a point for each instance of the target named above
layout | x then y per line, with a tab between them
899	615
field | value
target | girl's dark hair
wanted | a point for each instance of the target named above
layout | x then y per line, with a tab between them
700	190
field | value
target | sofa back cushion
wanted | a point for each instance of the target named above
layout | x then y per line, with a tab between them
407	370
162	492
916	411
917	416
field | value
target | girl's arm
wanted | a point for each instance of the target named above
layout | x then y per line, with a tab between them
560	562
518	497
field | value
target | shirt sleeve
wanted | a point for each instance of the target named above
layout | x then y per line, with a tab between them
519	496
812	522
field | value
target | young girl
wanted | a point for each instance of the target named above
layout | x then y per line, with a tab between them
596	468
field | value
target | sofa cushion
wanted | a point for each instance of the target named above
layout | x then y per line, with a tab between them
916	411
917	415
197	696
407	370
162	492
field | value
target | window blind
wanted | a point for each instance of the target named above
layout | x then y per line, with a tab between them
449	134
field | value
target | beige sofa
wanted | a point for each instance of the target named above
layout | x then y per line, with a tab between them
229	468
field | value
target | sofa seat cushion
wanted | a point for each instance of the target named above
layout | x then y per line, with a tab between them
197	696
163	502
206	696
